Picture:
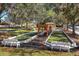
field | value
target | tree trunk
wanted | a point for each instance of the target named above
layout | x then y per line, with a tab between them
73	27
67	26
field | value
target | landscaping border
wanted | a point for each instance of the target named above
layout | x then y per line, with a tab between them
59	47
72	41
16	43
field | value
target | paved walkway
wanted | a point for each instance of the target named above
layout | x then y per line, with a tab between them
77	32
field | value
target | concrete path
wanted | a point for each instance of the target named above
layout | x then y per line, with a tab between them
77	32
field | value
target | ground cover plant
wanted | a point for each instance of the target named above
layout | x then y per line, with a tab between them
26	36
18	32
58	36
5	51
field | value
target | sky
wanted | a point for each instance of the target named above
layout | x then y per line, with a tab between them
4	16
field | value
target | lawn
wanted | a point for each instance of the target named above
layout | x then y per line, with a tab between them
2	29
58	36
15	31
10	32
5	51
18	32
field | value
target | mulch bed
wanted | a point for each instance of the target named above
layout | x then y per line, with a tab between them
74	36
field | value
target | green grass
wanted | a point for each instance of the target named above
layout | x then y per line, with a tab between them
8	29
26	36
13	33
5	51
23	31
58	36
18	32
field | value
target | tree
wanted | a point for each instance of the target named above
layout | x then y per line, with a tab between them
71	13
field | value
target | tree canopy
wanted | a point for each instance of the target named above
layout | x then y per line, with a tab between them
41	13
